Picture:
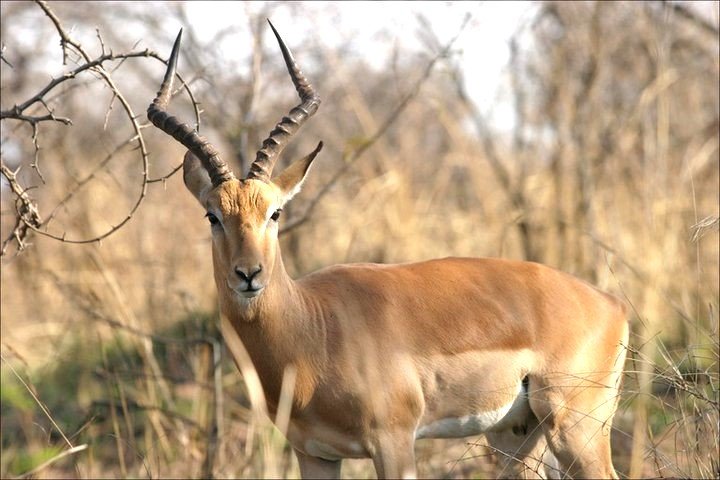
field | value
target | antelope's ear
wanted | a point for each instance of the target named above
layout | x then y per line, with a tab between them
291	179
196	178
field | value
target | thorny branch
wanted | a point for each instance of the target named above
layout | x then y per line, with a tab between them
26	209
27	215
66	40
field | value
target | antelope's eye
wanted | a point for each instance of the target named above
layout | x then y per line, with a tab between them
276	215
212	219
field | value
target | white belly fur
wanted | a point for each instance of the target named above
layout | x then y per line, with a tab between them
503	418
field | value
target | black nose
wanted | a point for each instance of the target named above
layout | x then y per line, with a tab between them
248	274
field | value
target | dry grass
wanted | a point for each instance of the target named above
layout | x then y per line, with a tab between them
111	345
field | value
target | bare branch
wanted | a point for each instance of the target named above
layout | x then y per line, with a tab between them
28	217
17	111
34	120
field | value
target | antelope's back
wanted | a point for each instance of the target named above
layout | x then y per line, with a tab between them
453	305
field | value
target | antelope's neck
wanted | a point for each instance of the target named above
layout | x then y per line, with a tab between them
281	331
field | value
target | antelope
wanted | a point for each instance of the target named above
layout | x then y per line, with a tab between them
385	355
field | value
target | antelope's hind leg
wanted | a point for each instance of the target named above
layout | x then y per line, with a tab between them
578	433
394	455
522	452
576	411
314	467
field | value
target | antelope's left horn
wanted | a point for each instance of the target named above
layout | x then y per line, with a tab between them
280	136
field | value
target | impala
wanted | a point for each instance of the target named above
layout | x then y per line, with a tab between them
387	354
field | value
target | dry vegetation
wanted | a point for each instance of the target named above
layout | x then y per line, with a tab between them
111	362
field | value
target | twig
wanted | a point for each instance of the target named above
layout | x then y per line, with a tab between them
704	226
17	110
47	463
85	181
26	209
37	400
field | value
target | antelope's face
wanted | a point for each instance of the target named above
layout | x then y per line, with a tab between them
243	214
244	217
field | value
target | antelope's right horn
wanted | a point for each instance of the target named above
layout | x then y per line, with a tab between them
200	146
